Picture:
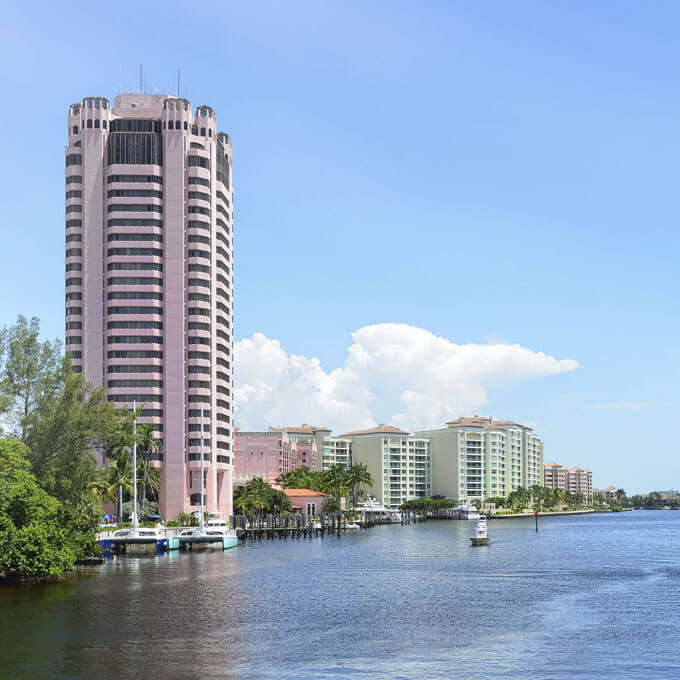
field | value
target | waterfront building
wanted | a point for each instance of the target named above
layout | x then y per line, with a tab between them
149	288
262	454
479	457
336	451
580	481
308	441
306	501
610	493
400	464
555	476
572	480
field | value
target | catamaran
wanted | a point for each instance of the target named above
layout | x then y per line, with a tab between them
217	531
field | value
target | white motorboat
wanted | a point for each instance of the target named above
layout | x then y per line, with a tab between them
380	513
467	511
481	537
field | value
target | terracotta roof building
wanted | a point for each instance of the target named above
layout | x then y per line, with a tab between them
572	480
309	502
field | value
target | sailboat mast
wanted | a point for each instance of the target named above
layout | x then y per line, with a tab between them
202	474
135	522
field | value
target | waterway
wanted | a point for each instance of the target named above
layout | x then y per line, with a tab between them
585	597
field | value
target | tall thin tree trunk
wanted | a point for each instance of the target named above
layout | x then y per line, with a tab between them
119	518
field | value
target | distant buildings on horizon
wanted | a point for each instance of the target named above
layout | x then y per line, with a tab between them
572	479
475	458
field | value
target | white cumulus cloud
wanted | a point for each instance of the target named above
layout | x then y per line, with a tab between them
393	372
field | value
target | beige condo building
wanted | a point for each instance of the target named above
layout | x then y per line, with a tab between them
400	464
479	457
336	450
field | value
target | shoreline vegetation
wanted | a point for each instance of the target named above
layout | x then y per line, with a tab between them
51	490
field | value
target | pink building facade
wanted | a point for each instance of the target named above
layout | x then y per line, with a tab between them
262	454
555	476
572	480
149	287
309	443
306	501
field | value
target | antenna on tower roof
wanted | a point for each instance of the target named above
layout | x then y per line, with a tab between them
140	79
178	82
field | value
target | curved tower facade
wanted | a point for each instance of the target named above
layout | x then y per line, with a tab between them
149	279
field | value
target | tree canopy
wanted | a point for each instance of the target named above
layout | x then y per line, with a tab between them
338	480
63	424
259	496
35	536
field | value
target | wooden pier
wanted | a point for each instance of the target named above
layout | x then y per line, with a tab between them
282	526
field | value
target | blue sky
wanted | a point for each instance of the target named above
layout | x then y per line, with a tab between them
485	171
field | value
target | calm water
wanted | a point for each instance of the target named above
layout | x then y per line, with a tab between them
586	597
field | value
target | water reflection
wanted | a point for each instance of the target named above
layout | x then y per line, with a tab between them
571	601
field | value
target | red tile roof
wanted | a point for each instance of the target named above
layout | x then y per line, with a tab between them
486	422
303	492
381	429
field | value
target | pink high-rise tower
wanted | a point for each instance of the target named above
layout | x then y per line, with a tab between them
149	278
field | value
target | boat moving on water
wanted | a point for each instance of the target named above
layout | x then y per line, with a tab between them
481	537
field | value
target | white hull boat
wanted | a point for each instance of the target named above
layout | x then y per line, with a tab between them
481	537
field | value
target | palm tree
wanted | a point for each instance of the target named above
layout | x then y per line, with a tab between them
301	478
355	476
102	489
522	496
334	481
253	496
118	477
148	446
244	499
559	496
